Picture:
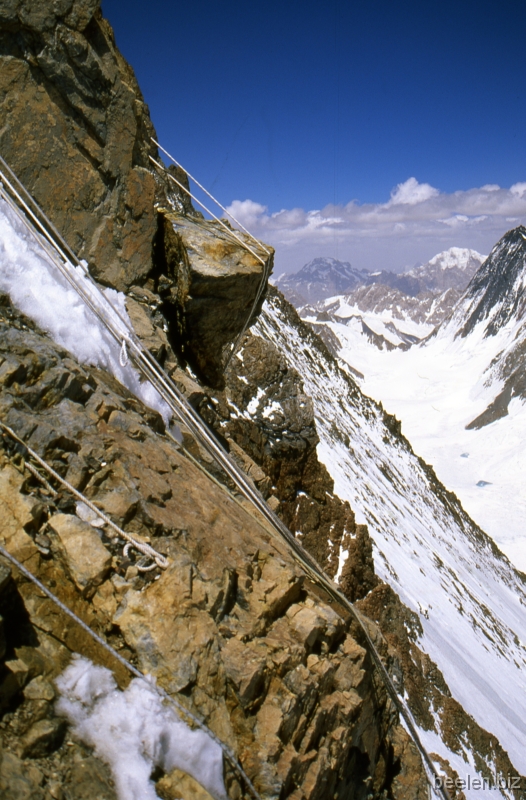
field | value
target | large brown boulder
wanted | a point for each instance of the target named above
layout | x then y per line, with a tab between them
209	283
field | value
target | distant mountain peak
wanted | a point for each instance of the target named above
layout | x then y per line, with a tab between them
458	257
325	277
321	278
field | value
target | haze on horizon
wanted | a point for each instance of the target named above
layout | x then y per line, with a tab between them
375	133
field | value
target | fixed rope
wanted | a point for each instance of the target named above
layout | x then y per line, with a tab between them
184	412
211	196
159	560
182	710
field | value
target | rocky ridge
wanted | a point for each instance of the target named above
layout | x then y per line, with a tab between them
275	671
265	411
361	438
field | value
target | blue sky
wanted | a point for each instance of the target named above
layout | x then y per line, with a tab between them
310	107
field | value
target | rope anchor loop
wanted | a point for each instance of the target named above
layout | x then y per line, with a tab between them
123	356
156	561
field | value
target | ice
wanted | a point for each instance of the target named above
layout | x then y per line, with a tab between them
133	731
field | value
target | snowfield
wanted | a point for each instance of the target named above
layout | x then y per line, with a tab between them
442	385
470	600
437	389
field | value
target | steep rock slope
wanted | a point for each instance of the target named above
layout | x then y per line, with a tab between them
495	295
303	748
468	598
88	166
264	409
232	627
59	64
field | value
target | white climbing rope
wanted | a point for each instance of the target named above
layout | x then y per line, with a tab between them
211	196
182	409
36	474
160	560
182	710
220	221
123	356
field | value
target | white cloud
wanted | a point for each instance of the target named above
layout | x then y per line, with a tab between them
411	192
417	222
246	211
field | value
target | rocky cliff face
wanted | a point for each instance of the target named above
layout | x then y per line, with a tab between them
77	132
265	411
232	627
268	420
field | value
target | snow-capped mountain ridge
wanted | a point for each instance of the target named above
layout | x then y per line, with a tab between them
496	294
324	277
451	269
321	278
459	257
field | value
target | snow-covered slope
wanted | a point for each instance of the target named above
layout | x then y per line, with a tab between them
460	394
470	600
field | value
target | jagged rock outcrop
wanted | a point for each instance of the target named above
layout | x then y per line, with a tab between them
232	627
87	163
208	283
265	412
